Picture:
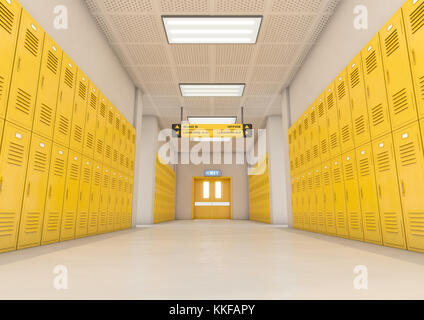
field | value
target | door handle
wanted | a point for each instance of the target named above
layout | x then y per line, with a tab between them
29	189
351	104
42	82
50	191
414	59
388	76
19	64
61	96
67	193
368	91
347	196
403	188
1	184
335	197
379	190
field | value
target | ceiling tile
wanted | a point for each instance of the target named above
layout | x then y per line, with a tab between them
287	28
130	6
155	74
192	6
231	74
276	54
193	74
231	6
148	54
234	54
161	88
190	54
269	74
137	28
296	5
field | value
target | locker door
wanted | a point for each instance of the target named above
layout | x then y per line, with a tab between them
130	200
84	198
345	114
291	152
112	201
307	140
24	82
293	200
10	15
116	139
109	136
398	76
101	129
1	131
413	12
90	122
299	207
78	113
301	146
353	205
332	121
118	208
324	149
410	163
319	198
34	193
132	159
339	198
129	150
376	94
305	202
62	129
48	86
312	202
13	165
358	102
329	213
368	193
55	193
71	197
104	199
316	159
93	216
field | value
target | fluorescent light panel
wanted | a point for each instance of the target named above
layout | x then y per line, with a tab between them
212	30
212	120
212	90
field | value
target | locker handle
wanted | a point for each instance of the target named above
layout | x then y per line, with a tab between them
347	196
67	194
368	91
388	76
29	189
19	64
403	188
351	104
362	194
42	82
334	196
81	195
379	190
50	191
414	59
1	184
61	96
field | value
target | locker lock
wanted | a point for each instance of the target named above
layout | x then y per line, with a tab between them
9	2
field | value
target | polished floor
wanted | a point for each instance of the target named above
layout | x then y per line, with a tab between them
212	260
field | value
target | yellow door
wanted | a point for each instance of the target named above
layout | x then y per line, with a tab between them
101	128
299	206
62	129
212	198
93	212
116	145
293	201
84	197
78	114
376	94
307	140
11	10
109	136
35	193
132	154
312	202
13	165
358	102
316	159
70	202
329	205
112	200
118	210
130	201
90	121
305	202
104	199
332	120
398	76
368	193
413	13
55	194
319	199
345	114
410	164
48	86
339	197
1	131
324	148
24	82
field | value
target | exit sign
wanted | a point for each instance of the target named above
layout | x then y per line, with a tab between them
213	173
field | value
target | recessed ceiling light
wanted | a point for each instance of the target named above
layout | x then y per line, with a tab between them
212	29
212	90
212	120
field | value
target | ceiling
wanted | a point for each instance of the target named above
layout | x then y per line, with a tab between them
289	30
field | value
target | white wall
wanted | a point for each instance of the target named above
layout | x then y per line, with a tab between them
338	45
86	45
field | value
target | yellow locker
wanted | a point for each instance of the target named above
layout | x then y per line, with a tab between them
62	129
324	148
112	200
305	202
78	113
307	139
376	94
358	102
339	198
300	145
328	193
410	164
332	120
32	214
119	203
316	159
71	198
55	194
11	13
353	204
293	201
101	128
13	165
132	154
90	122
368	193
319	199
48	86
413	11
312	201
26	70
291	152
116	139
345	113
129	150
392	222
299	212
398	75
104	200
130	200
296	150
1	131
109	136
93	212
81	225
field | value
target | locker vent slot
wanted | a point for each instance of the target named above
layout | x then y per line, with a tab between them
370	221
349	171
16	154
400	101
122	159
115	155
315	151
321	110
63	125
337	175
392	43
371	62
354	221
391	222
6	18
305	123
341	90
74	172
53	221
82	91
100	146
117	125
302	160
317	181
407	154
377	115
417	18
46	115
333	141
330	101
77	133
360	125
108	152
52	62
97	177
33	220
300	129
40	161
290	139
296	161
310	183
90	141
354	78
23	101
103	110
106	181
68	221
59	167
383	161
341	222
127	162
111	118
299	189
1	86
313	119
303	185
69	78
93	101
113	185
324	146
308	156
345	134
7	223
416	223
86	175
364	167
31	43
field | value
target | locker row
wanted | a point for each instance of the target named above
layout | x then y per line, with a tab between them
259	205
164	192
